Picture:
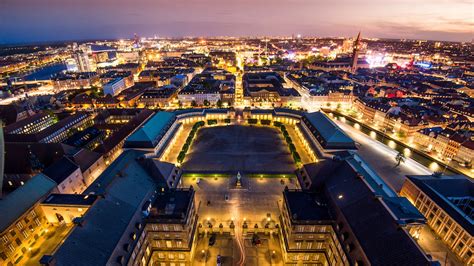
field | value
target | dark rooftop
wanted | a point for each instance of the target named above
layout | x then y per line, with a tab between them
172	205
306	207
60	170
70	199
442	191
369	220
327	132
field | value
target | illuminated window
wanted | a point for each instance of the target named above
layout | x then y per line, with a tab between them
298	244
19	225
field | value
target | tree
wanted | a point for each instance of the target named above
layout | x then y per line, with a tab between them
219	103
193	103
206	103
401	134
400	158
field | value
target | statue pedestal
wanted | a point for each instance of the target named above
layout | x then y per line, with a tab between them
237	183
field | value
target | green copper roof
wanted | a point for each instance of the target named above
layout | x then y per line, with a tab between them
15	204
152	128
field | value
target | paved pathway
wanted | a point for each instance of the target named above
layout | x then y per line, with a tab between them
382	159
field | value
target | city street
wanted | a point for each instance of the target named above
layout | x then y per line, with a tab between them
382	158
43	90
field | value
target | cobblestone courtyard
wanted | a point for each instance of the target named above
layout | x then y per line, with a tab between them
233	148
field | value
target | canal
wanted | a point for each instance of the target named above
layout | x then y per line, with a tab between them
45	73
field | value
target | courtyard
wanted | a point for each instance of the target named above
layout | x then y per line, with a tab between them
255	203
234	148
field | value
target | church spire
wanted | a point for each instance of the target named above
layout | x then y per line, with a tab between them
355	53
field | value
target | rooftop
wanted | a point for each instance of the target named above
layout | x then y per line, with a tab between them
172	205
151	130
70	199
369	219
306	206
60	170
15	204
444	193
332	135
127	187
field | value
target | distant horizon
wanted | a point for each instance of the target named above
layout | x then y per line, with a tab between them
62	41
33	21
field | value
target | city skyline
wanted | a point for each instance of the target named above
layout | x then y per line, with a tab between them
65	20
246	132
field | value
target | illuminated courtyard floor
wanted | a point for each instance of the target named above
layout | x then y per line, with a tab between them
267	253
258	203
233	148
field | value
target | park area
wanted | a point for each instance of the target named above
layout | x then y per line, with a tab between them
238	148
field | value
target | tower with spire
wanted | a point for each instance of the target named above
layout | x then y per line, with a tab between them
355	53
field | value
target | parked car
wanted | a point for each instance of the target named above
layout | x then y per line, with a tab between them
256	240
212	240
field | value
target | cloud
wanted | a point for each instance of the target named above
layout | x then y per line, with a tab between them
405	30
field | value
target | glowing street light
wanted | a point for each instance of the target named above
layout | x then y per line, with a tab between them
407	152
434	166
392	144
373	135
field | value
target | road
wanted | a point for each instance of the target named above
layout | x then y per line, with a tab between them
43	90
382	159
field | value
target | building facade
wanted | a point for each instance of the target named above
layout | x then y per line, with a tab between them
447	206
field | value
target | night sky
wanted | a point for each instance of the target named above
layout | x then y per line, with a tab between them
49	20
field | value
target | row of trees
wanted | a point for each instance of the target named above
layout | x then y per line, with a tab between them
207	103
252	121
291	146
189	140
212	122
